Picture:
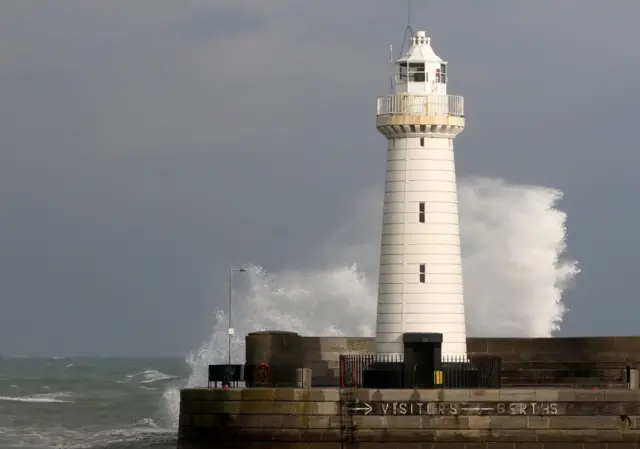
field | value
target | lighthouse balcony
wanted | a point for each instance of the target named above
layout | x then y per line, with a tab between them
430	115
421	104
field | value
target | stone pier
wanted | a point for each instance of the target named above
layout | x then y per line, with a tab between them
418	419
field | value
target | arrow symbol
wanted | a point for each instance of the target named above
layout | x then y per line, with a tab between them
477	409
367	408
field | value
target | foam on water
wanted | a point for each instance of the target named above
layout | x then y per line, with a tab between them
150	376
145	433
513	241
46	398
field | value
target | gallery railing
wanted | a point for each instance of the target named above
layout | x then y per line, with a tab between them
420	104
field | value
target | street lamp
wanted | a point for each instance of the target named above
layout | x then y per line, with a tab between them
231	331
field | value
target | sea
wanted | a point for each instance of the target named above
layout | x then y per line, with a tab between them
89	403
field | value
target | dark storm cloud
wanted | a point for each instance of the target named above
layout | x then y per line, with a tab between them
147	146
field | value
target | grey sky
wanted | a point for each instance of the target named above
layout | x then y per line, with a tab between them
147	146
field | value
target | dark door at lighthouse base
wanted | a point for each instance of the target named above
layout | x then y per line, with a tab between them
422	359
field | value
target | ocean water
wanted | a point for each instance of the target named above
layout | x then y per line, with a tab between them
87	403
515	273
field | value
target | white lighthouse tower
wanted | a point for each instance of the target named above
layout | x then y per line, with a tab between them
420	284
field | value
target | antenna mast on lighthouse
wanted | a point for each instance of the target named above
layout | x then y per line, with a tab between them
408	32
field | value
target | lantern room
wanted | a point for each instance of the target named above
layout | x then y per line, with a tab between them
420	70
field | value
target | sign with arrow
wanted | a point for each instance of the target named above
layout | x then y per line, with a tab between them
363	407
378	408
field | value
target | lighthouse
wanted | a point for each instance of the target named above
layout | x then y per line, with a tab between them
420	282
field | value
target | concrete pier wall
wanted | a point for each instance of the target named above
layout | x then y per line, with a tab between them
604	357
596	349
434	419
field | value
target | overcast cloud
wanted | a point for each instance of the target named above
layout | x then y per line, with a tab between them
148	145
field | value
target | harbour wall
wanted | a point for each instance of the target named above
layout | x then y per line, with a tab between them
328	418
522	358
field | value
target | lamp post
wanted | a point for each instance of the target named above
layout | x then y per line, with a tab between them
231	331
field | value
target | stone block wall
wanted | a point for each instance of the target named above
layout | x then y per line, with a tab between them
434	419
597	349
582	361
322	355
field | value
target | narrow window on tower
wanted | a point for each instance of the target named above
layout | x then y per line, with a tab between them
423	273
421	213
421	141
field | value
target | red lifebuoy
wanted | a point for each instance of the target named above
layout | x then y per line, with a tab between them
261	372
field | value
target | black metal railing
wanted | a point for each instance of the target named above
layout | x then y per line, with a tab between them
225	375
471	372
390	371
474	371
354	366
259	375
